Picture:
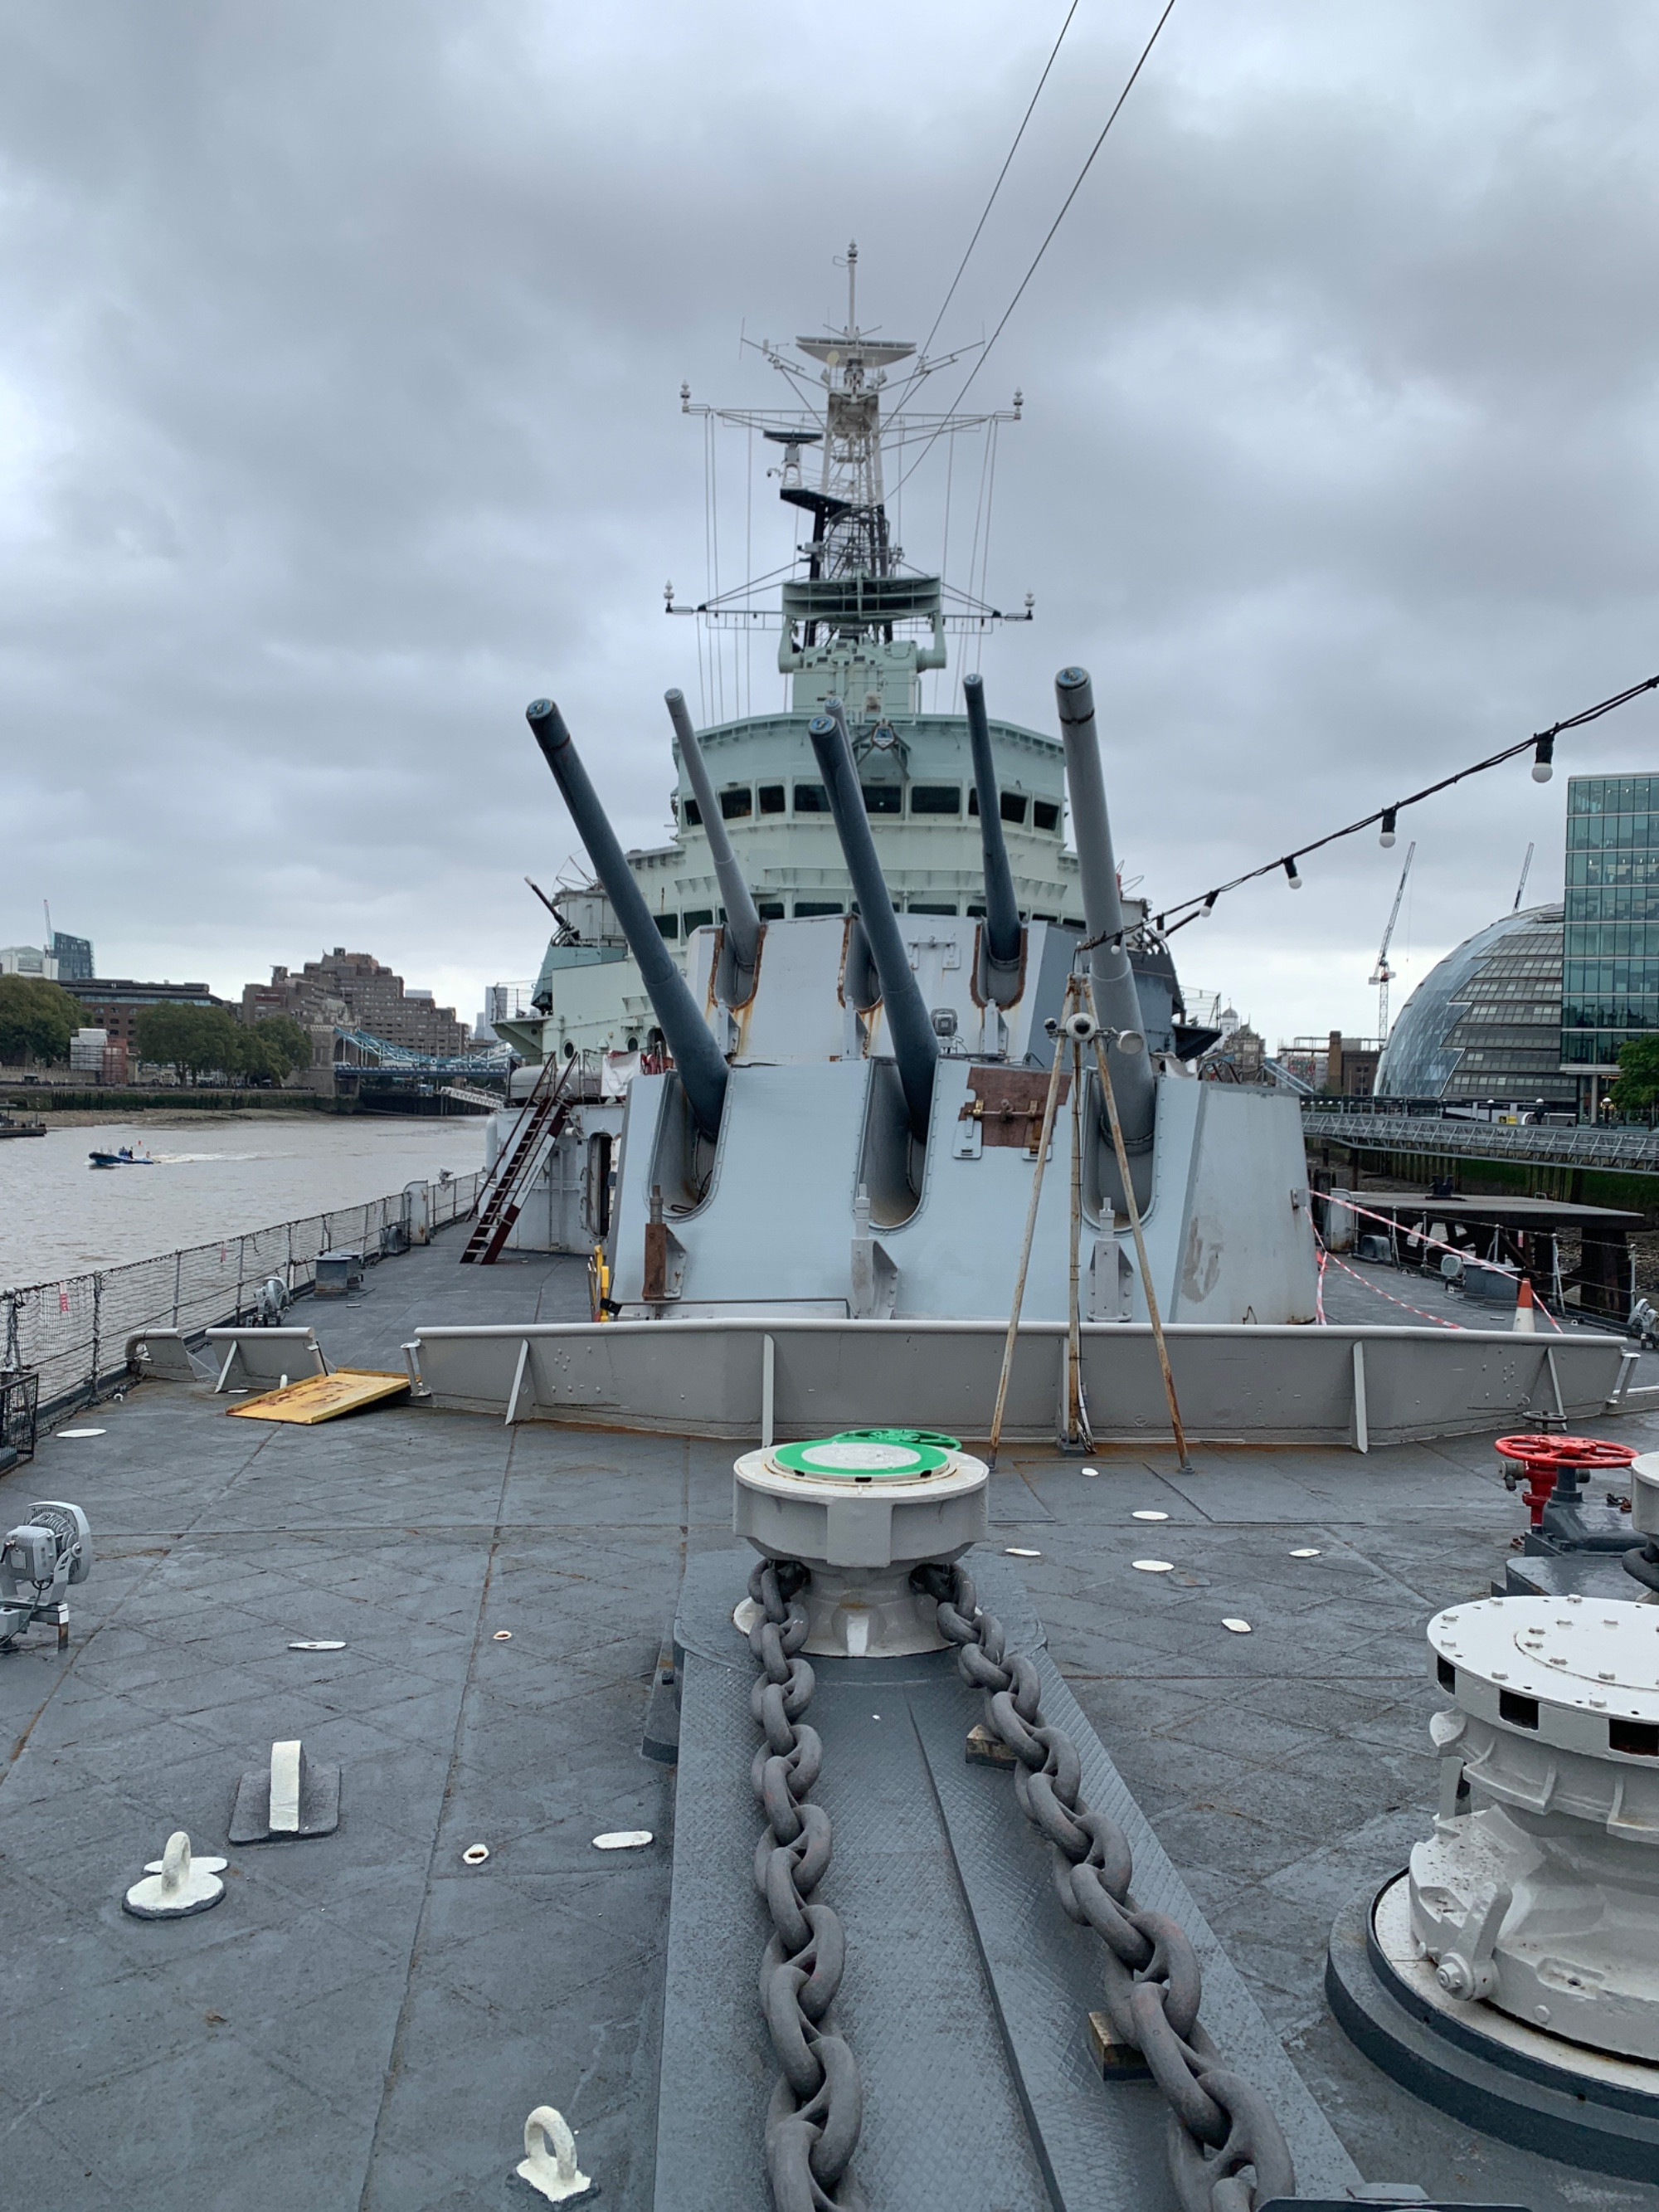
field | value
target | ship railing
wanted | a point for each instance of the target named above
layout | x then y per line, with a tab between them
72	1333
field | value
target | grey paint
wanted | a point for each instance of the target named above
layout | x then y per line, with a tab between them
915	1046
1117	1002
742	922
1001	907
1238	1384
701	1069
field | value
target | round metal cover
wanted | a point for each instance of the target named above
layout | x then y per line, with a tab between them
1594	1653
936	1437
861	1459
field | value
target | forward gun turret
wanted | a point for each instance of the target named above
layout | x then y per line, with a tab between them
701	1069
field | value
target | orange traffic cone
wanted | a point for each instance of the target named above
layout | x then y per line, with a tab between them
1526	1320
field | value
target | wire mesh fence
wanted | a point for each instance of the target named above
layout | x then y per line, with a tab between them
74	1333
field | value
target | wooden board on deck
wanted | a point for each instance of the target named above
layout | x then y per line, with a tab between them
324	1397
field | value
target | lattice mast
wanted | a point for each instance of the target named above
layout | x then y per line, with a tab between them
860	622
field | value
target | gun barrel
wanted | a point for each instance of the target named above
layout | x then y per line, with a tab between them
1001	907
742	922
916	1048
702	1070
1116	1000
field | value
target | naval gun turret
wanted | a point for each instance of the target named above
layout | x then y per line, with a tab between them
701	1069
743	923
853	1131
915	1046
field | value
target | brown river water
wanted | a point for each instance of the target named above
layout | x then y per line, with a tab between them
214	1177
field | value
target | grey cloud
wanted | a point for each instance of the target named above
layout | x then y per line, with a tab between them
344	348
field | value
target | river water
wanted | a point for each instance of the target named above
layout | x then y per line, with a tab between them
213	1178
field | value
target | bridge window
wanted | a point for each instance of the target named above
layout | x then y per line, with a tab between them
1010	804
699	917
669	924
884	798
926	906
737	802
689	811
769	909
811	798
773	798
936	798
1045	814
805	906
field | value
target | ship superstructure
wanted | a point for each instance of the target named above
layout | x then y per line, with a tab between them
854	622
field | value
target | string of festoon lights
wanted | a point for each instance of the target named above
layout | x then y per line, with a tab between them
1542	746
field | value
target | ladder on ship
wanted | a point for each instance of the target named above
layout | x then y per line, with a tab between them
540	1120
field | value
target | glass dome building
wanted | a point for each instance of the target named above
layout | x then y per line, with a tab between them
1486	1021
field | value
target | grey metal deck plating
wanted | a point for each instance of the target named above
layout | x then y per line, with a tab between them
365	2022
967	1990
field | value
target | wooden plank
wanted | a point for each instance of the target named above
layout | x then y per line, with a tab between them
324	1397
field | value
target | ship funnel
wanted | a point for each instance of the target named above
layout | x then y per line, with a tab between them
742	922
1001	910
702	1072
1117	1000
915	1048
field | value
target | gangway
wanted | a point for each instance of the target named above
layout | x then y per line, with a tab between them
540	1120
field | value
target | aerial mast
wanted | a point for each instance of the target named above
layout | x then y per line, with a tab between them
1383	975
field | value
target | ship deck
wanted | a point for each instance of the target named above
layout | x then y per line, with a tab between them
365	2020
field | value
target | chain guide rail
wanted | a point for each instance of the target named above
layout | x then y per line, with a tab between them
817	2111
1227	2151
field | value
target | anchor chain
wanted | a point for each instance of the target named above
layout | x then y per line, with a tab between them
817	2110
1227	2151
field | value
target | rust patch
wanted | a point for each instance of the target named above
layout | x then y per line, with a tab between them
1008	1104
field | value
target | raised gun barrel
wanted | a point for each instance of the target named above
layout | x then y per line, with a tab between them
742	922
702	1070
1117	1002
916	1048
1001	907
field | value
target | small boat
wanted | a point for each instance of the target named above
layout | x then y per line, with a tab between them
11	1127
126	1158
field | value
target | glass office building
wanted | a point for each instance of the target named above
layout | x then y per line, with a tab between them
1485	1024
1610	956
74	957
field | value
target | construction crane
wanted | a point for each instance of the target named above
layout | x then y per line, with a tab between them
1383	975
1525	870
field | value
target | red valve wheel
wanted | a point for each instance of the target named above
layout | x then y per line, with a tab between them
1544	1457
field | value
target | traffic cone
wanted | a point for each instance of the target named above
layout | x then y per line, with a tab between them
1526	1320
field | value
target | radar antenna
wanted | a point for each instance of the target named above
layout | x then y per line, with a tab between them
858	622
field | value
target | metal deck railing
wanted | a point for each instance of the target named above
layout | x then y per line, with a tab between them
1634	1149
73	1333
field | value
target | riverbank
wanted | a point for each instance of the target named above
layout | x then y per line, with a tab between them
59	1101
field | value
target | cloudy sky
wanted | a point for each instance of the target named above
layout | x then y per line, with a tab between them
339	416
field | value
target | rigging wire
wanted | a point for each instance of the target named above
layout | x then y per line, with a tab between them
985	211
984	353
1542	743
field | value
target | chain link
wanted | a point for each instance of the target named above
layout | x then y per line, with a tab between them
817	2110
1227	2151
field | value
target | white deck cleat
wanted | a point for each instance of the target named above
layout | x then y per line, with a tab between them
177	1884
549	2164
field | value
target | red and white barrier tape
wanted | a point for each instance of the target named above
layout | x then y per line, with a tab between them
1422	1236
